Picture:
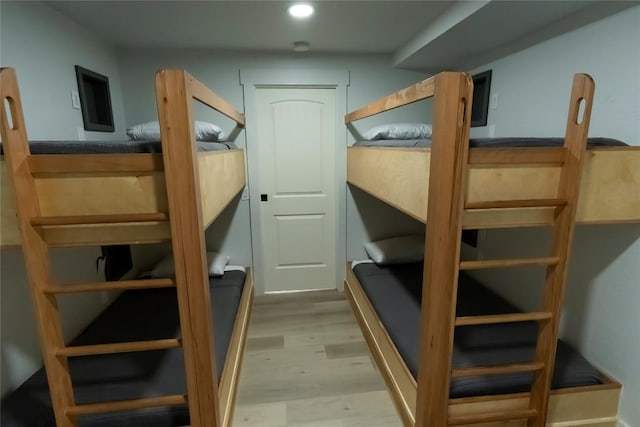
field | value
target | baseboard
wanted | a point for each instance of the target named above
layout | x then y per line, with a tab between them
622	423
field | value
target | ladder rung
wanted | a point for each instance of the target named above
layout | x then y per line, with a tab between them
507	204
502	318
110	286
501	263
518	156
126	405
496	370
490	417
121	347
99	219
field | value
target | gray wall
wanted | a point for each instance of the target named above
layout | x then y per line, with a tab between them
44	46
601	316
370	78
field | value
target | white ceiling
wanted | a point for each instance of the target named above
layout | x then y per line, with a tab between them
336	26
419	34
499	28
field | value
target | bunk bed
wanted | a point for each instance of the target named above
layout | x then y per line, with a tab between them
135	316
129	183
450	187
61	200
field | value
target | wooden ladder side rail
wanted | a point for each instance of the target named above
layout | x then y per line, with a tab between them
569	188
211	99
447	187
414	93
35	250
174	99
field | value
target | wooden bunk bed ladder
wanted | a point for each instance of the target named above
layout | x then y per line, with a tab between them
442	264
44	291
569	189
175	92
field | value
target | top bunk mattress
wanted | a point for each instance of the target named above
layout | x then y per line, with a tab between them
112	147
135	315
490	143
395	293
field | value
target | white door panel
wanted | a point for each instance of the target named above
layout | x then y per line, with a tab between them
296	141
299	146
299	240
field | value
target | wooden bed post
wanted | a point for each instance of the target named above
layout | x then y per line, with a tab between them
447	187
174	98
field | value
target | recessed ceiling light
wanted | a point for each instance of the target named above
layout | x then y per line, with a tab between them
301	46
301	10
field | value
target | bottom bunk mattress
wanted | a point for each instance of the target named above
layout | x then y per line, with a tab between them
395	293
134	316
113	147
511	142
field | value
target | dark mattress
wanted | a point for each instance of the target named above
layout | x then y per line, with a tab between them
395	293
112	147
135	315
491	142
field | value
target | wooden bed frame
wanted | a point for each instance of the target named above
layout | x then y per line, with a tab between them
451	187
609	191
127	184
231	373
589	406
107	199
400	177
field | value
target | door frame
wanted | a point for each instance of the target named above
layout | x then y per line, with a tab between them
253	79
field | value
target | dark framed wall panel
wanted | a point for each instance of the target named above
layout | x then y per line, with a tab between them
480	105
95	99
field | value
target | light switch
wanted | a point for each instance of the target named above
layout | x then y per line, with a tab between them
75	99
245	193
493	103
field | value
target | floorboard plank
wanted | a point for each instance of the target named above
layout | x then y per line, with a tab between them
307	365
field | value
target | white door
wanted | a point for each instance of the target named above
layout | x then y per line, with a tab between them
296	141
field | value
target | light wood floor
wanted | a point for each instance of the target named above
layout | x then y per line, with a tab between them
307	365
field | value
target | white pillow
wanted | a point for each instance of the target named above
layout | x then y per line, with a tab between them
216	263
398	131
396	250
205	131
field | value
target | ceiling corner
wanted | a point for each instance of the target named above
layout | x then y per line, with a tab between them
452	16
